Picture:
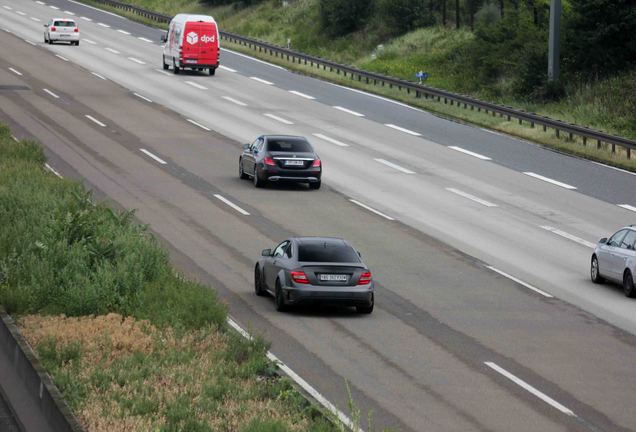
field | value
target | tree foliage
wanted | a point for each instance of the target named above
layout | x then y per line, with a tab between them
340	17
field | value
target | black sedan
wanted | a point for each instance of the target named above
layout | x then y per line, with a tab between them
280	158
314	270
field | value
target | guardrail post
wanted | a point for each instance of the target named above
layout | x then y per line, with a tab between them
613	148
571	136
545	129
629	152
557	133
520	121
585	141
532	124
598	144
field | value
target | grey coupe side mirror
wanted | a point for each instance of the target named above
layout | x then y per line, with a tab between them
603	240
266	252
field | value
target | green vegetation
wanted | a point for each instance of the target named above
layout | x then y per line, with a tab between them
131	344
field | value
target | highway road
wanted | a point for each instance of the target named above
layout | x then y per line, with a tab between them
479	243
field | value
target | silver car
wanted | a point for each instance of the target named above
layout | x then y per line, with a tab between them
614	259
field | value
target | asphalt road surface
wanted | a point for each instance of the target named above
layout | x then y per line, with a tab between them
455	344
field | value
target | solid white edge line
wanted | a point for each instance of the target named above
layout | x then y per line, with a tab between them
627	207
94	120
549	180
51	93
280	119
61	57
193	84
364	206
157	158
124	32
302	95
97	9
234	101
568	236
471	197
394	166
231	204
50	168
331	140
301	382
614	168
89	41
225	68
262	81
98	76
492	132
545	398
348	111
29	42
15	138
15	71
254	59
470	153
142	97
199	125
136	60
520	282
401	129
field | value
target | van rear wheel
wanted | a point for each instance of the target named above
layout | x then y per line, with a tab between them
212	71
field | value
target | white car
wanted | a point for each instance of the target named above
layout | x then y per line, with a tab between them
615	259
61	29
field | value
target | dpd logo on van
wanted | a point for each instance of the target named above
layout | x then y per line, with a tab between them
192	38
206	38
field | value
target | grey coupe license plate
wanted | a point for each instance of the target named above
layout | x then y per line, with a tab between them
293	162
333	277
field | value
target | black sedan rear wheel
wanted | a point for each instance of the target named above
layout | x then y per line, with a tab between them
314	185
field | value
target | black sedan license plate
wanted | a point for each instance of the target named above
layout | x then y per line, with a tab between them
333	277
294	163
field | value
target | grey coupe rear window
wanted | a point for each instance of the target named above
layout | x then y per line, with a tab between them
326	252
296	146
64	24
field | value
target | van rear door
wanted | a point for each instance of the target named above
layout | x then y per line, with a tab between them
200	44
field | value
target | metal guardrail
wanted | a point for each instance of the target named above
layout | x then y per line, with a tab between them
419	90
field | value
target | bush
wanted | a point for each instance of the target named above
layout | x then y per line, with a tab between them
62	254
341	17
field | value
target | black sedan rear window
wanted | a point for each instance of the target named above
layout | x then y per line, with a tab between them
287	145
326	252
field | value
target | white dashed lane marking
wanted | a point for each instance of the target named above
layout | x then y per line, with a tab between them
521	383
348	111
199	125
234	101
627	207
549	180
331	140
470	153
520	282
366	207
262	81
471	197
157	158
231	204
302	95
51	93
568	236
94	120
395	166
401	129
280	119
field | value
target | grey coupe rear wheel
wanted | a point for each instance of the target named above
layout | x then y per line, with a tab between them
595	275
257	182
628	284
280	301
366	309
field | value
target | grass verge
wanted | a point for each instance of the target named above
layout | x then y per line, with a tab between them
131	344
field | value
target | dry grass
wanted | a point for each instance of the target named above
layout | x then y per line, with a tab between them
136	377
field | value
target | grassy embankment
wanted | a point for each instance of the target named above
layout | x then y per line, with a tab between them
608	105
131	344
